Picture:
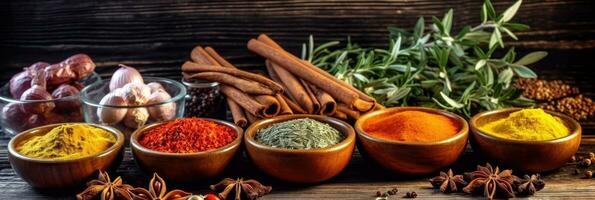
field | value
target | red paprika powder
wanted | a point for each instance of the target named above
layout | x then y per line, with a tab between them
187	135
413	126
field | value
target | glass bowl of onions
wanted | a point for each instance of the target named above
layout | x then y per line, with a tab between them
45	93
129	101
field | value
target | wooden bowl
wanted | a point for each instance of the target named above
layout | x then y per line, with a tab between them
185	167
56	174
300	165
526	156
412	157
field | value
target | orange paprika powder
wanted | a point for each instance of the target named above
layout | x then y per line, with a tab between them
412	126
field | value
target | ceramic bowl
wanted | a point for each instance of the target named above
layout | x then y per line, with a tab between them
300	165
526	156
55	174
412	157
185	167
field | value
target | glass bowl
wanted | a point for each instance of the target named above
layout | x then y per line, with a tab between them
13	120
92	95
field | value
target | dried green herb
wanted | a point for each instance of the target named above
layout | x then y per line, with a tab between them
299	134
434	66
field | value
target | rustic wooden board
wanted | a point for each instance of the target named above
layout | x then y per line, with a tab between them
360	180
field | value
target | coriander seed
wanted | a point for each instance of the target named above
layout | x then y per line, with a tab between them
588	174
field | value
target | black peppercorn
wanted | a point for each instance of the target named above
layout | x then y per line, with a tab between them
393	191
588	174
411	195
378	193
202	99
584	163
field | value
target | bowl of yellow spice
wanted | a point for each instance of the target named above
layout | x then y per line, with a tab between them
529	140
64	155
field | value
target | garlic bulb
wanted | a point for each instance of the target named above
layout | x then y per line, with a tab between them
123	76
136	93
161	112
110	115
136	117
155	87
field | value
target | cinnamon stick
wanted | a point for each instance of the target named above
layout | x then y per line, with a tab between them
285	109
328	106
294	87
191	67
251	118
354	114
294	106
199	55
271	105
315	103
266	39
295	66
239	118
246	102
210	51
244	85
340	115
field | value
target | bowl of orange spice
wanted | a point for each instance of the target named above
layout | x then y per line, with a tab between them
186	149
412	140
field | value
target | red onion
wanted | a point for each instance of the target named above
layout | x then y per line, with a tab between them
57	74
14	118
64	105
81	64
37	92
19	83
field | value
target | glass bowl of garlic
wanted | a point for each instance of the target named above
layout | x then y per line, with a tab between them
129	101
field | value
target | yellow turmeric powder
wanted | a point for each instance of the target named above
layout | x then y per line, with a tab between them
67	141
527	124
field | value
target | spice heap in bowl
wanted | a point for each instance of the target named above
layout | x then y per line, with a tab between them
64	155
300	148
186	149
45	93
539	140
412	140
129	101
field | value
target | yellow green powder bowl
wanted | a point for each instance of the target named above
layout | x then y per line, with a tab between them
65	172
532	154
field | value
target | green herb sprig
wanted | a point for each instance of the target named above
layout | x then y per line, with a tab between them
434	66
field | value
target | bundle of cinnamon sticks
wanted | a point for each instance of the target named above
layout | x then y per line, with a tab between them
310	87
295	85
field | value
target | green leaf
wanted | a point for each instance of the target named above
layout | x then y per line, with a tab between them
484	13
490	9
438	24
418	31
509	33
511	11
516	26
447	21
505	77
496	38
480	64
531	58
450	101
524	72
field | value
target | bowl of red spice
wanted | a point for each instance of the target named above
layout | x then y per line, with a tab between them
186	149
412	140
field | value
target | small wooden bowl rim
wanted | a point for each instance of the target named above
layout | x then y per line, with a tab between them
251	132
464	130
228	147
117	145
575	127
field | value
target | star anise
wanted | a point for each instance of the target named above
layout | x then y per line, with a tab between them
448	182
528	185
250	189
105	189
491	182
158	191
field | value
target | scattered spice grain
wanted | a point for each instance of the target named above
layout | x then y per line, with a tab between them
588	174
411	195
187	135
